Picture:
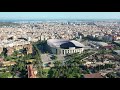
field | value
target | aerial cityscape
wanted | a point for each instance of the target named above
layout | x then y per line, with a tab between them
59	44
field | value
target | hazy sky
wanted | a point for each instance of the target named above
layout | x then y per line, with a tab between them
59	15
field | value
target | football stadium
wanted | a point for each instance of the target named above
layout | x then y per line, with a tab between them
64	47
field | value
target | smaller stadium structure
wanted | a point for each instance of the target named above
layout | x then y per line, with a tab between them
64	47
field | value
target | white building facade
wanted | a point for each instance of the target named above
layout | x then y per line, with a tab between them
54	47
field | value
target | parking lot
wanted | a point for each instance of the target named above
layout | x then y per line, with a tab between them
47	58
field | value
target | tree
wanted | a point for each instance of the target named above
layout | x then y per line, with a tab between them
111	75
15	53
24	51
38	60
21	67
55	57
5	75
72	68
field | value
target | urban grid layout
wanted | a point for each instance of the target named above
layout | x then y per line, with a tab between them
59	45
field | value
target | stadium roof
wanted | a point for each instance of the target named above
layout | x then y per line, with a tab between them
62	43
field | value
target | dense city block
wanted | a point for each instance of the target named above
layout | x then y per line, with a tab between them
60	49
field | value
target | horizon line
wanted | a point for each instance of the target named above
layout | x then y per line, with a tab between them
66	19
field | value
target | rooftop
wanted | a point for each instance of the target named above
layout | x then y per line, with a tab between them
63	43
93	75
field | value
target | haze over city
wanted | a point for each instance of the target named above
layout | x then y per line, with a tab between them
58	15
